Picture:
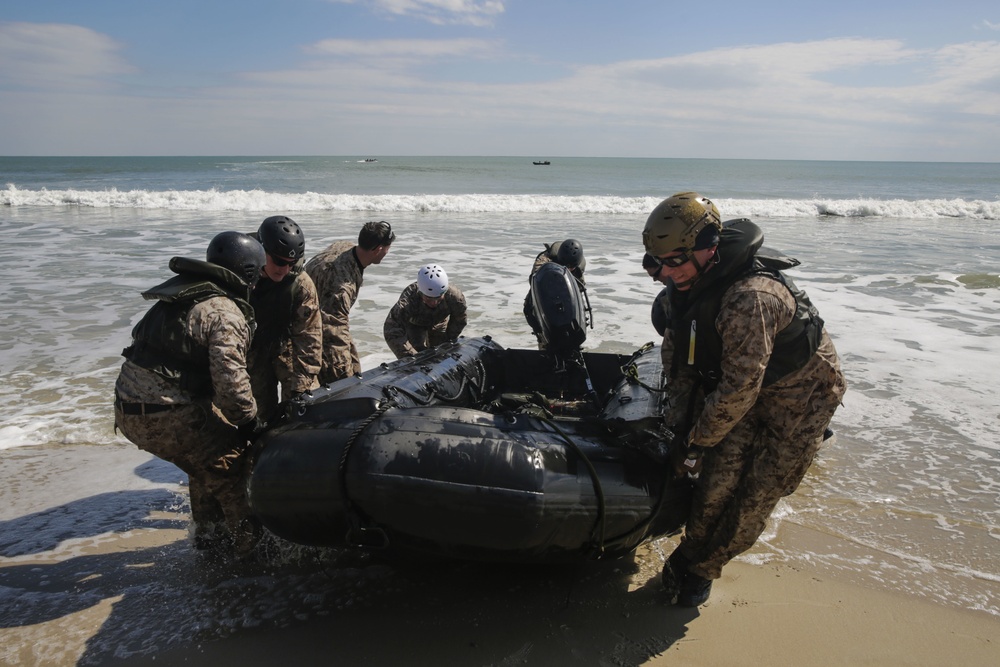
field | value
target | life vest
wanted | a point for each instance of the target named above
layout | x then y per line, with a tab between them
159	340
693	313
277	302
658	311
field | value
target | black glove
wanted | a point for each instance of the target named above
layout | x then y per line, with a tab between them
252	428
232	461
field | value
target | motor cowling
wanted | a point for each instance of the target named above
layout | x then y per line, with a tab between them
559	306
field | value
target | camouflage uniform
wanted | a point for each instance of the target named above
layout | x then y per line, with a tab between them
412	325
550	254
338	276
760	437
196	433
287	348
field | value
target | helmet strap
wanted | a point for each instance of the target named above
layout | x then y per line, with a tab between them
702	268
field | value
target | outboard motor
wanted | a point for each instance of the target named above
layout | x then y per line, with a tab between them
561	307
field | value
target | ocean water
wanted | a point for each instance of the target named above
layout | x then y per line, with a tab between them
900	258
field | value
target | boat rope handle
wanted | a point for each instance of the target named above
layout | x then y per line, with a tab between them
631	372
600	524
354	519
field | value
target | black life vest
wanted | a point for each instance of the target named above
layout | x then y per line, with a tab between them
159	340
693	313
273	305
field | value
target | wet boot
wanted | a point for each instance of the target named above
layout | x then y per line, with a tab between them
246	536
675	571
209	535
694	590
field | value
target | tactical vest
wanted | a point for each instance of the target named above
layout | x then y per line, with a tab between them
693	313
159	340
277	302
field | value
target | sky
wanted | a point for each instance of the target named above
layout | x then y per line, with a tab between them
908	80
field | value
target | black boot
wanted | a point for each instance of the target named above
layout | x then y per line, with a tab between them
675	571
694	590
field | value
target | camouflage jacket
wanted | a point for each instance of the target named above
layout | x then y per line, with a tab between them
338	276
411	312
753	311
290	330
221	327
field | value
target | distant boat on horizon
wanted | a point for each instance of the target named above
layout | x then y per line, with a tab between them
370	159
541	162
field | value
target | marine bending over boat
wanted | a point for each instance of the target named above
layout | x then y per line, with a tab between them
183	393
429	312
568	253
338	272
754	381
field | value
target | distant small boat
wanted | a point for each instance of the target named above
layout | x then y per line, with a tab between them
542	162
370	159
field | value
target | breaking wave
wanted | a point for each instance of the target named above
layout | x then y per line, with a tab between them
259	200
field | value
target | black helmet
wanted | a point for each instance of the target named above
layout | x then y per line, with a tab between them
239	253
282	237
570	253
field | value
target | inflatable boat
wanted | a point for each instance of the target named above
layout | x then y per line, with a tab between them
474	451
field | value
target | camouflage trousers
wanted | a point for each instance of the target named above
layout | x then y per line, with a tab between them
744	476
207	448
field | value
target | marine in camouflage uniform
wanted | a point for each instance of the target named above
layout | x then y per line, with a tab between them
412	325
754	381
568	253
184	390
338	273
287	348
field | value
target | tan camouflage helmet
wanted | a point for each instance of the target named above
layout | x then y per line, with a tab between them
674	225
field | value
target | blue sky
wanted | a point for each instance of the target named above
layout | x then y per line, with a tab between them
847	80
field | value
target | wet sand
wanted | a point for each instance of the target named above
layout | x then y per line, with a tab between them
111	579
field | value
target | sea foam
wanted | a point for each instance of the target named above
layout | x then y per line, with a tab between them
260	200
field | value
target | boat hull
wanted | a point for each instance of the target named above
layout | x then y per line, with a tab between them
373	462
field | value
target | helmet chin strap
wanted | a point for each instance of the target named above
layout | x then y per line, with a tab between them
702	268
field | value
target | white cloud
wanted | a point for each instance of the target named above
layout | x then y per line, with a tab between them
790	99
52	55
828	99
468	12
840	81
989	25
396	48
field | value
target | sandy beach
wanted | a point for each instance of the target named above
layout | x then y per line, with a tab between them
143	596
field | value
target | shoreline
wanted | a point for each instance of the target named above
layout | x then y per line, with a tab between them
125	588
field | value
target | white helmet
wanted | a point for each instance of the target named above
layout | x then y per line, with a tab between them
432	281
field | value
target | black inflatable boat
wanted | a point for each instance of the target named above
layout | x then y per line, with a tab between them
470	450
473	451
